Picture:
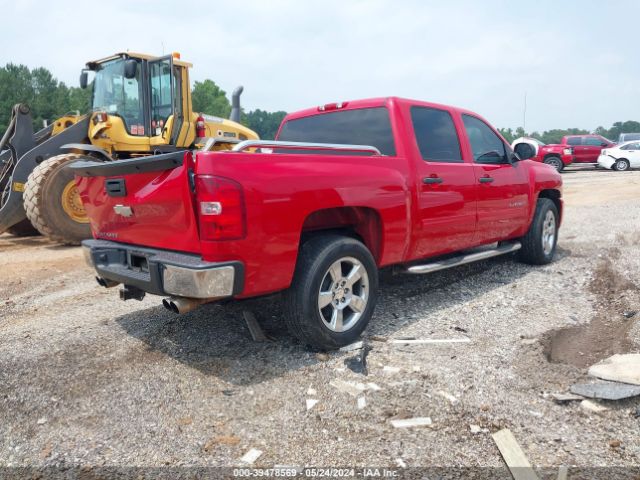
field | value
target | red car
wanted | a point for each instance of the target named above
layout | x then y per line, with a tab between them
348	188
558	156
586	148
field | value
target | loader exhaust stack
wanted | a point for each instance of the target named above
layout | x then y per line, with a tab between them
235	104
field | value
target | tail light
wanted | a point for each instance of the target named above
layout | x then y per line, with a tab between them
221	213
200	127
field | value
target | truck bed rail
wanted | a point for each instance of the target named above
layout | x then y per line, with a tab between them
304	146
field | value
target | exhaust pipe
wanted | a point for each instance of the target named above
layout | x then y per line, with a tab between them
183	304
235	104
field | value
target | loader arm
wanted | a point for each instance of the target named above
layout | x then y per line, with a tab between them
25	151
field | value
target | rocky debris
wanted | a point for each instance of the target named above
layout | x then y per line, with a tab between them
311	403
623	368
606	390
352	388
428	341
592	406
254	327
353	346
565	397
251	456
362	402
513	455
358	364
411	422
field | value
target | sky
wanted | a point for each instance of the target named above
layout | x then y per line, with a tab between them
578	63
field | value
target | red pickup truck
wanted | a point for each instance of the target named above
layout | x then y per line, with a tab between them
346	189
586	148
558	156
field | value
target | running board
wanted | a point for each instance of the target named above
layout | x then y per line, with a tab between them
463	259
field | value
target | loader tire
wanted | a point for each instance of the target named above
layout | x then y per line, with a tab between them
23	229
52	203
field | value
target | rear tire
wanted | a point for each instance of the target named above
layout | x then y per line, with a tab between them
52	203
621	165
333	292
555	162
539	243
23	229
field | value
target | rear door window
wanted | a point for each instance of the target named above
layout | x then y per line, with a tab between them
574	141
364	126
593	141
436	135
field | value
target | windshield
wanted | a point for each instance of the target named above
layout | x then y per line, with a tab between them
117	95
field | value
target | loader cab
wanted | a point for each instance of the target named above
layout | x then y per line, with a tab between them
140	104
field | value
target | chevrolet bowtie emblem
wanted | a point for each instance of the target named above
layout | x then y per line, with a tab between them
123	210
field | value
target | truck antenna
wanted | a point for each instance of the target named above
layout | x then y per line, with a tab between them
524	115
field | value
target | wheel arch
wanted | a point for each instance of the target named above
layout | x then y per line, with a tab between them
361	223
555	196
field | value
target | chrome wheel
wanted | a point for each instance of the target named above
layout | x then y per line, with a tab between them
343	295
548	232
621	165
555	162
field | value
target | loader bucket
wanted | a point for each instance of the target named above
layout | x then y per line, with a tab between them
23	151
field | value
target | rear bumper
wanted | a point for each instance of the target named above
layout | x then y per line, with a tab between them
162	272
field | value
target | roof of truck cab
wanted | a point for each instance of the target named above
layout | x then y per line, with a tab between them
142	56
372	103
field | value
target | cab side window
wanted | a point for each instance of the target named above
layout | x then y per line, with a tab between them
487	147
593	141
436	135
574	141
631	146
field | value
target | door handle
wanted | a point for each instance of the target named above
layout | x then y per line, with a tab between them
431	180
486	179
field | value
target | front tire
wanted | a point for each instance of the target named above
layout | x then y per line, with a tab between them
333	292
52	204
555	162
539	243
621	165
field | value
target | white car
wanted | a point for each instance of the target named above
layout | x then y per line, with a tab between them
621	157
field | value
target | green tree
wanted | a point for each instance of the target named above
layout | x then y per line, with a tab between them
208	98
264	123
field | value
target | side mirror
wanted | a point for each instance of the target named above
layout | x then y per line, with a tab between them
524	151
83	79
604	144
130	68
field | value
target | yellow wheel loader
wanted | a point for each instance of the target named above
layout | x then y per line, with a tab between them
141	106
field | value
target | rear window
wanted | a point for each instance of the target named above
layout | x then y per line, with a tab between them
436	135
574	141
365	126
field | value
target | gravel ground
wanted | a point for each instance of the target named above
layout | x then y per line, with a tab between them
88	380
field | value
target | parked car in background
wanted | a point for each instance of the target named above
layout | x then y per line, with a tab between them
586	148
558	156
627	137
621	157
427	187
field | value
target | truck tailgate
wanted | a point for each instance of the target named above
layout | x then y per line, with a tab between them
146	201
